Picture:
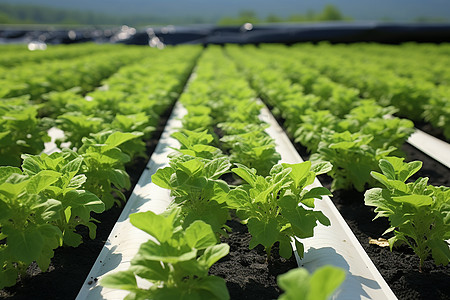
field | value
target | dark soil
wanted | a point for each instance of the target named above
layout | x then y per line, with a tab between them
247	273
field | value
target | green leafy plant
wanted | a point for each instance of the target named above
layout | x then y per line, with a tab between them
103	164
352	157
299	284
72	205
250	145
20	132
193	179
25	214
278	208
195	184
308	132
175	262
418	213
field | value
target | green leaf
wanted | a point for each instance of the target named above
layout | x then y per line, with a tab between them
215	286
158	226
299	171
71	238
249	175
85	200
8	277
416	200
321	167
26	245
73	166
31	164
213	253
192	166
117	138
148	269
42	180
317	193
302	221
388	169
124	280
264	233
217	167
199	235
285	248
324	282
238	199
162	177
51	210
295	283
440	252
5	172
166	253
77	181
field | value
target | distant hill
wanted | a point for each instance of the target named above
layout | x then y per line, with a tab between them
197	11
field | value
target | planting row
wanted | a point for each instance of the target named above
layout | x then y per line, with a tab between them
223	112
407	206
332	122
19	56
416	97
44	201
85	72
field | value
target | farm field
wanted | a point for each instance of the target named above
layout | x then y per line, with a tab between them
348	110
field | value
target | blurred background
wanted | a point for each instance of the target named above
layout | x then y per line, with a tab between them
118	20
231	12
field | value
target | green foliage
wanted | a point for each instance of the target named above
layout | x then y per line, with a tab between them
275	207
193	178
418	213
176	262
250	145
329	13
20	132
308	132
352	156
437	111
103	164
39	210
298	284
75	204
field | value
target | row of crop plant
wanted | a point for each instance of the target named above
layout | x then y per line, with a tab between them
223	112
84	71
416	97
358	141
15	57
43	201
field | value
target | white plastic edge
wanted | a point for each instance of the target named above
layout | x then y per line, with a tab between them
125	239
336	244
433	147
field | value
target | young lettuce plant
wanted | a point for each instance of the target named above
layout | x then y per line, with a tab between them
193	178
72	204
175	262
275	207
418	213
352	157
299	284
20	132
103	164
250	145
25	214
